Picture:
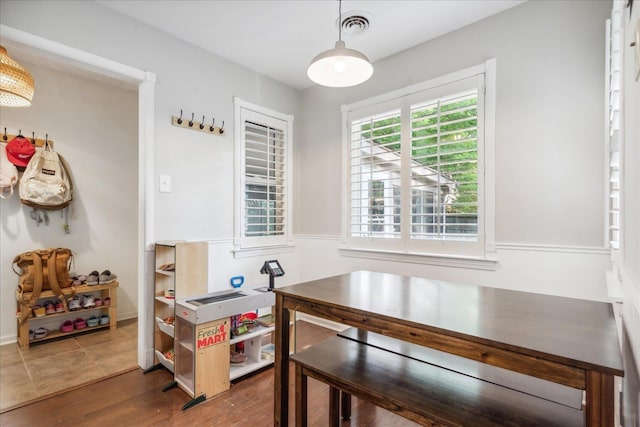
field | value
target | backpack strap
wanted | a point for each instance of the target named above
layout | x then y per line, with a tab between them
27	306
52	275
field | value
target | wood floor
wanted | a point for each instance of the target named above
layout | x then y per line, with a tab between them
135	399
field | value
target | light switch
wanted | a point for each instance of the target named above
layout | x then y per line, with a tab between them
165	184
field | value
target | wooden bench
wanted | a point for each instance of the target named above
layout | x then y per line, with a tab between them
545	389
419	391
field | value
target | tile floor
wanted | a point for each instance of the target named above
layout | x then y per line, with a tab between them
50	367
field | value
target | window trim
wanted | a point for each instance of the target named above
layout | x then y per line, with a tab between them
487	258
244	246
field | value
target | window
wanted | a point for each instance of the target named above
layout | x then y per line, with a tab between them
614	138
263	157
416	168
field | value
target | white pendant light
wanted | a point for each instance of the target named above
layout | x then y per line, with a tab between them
340	66
16	83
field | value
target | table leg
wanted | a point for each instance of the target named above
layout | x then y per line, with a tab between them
346	406
599	400
334	407
301	397
281	365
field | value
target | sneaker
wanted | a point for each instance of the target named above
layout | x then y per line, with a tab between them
39	310
93	321
98	301
32	335
59	306
49	307
40	333
93	278
74	303
106	301
107	277
87	301
104	319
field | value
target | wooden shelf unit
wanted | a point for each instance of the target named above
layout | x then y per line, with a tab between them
189	277
31	322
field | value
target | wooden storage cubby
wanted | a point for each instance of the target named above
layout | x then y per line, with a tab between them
32	322
189	276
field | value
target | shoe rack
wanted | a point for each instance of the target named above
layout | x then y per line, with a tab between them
52	322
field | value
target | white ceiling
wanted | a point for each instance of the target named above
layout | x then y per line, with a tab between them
279	38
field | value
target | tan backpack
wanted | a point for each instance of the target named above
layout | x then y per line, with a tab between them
41	270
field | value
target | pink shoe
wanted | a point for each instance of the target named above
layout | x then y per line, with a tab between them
67	326
49	307
59	306
80	323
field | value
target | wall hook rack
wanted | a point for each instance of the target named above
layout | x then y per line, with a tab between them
199	126
38	142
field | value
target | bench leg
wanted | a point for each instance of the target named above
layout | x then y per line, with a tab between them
301	397
334	407
346	406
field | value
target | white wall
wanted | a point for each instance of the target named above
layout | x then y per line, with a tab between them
629	267
94	126
549	146
200	165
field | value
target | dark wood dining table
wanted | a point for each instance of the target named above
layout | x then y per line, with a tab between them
569	341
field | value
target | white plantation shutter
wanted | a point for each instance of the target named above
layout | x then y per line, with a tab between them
264	175
264	180
444	168
416	168
375	176
614	117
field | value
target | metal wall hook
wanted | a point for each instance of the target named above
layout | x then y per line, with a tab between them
202	126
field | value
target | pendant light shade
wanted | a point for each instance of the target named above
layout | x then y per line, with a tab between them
340	66
16	83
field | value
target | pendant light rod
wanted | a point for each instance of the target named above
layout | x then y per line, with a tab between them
339	20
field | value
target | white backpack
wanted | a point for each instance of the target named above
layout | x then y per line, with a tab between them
8	174
46	182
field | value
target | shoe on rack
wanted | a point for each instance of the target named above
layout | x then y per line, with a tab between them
104	319
80	323
93	321
106	301
107	277
32	335
49	307
67	326
39	310
40	333
98	301
59	306
74	303
87	301
93	278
